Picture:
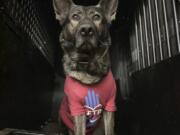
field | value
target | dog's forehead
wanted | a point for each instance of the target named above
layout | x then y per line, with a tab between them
85	9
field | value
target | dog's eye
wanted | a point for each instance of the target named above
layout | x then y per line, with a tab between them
96	17
76	17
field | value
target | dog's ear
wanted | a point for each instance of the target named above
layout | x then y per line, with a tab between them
61	8
110	8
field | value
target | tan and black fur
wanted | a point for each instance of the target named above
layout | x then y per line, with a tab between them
85	40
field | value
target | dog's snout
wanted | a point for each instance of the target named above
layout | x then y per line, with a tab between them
86	30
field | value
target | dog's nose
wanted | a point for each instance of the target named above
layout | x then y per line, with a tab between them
86	30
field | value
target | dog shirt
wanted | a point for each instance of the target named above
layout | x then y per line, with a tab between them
87	99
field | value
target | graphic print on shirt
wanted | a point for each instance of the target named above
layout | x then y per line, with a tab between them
93	108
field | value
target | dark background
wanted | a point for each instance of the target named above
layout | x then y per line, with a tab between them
31	83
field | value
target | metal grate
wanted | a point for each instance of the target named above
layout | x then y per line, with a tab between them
25	16
155	34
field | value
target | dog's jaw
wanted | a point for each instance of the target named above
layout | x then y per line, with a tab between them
87	73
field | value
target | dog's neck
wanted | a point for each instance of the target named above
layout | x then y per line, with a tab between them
87	73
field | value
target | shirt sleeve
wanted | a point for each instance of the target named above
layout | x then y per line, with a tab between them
74	102
111	105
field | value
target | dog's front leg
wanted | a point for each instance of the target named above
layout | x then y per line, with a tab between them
108	122
80	125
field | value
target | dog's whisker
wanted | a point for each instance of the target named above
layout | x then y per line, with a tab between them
104	43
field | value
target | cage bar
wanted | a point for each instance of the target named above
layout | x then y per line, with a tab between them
176	24
137	43
152	31
146	34
159	32
166	26
141	37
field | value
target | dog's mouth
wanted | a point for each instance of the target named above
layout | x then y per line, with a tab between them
84	52
82	57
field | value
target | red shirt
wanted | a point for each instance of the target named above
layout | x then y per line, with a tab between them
88	99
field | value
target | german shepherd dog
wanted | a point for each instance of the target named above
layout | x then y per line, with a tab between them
85	40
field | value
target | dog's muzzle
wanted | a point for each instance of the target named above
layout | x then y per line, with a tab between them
86	37
86	42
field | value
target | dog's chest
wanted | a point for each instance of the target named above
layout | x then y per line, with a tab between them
91	100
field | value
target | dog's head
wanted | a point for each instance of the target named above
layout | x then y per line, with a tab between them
85	35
